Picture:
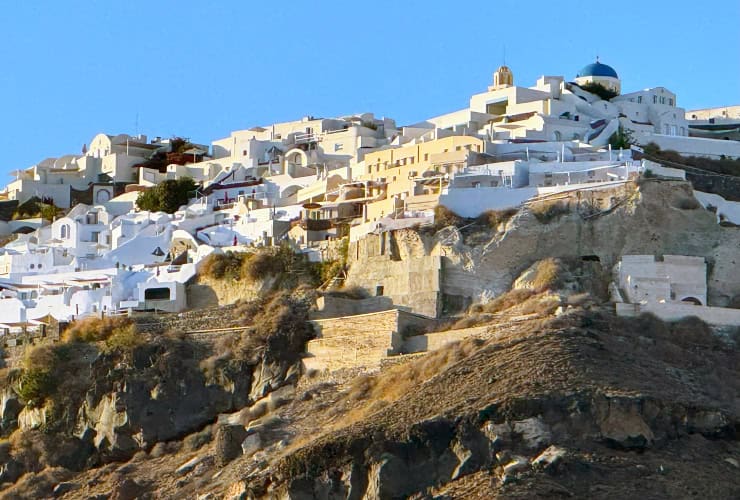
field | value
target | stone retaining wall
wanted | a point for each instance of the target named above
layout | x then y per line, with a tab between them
362	340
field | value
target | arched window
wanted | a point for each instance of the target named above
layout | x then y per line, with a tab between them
102	196
557	135
64	232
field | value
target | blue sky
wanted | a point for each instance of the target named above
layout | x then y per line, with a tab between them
72	69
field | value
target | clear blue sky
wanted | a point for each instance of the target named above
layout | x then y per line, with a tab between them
71	69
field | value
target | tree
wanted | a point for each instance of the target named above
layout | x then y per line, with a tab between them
621	139
167	196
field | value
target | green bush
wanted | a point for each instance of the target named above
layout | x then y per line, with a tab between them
35	385
167	196
37	381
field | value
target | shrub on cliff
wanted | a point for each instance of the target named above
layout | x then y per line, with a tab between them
37	381
223	265
281	327
547	211
492	218
117	333
444	217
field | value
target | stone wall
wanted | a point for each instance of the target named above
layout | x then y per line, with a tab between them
720	316
14	344
363	340
397	265
203	319
333	307
437	340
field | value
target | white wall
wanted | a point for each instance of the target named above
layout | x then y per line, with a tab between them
693	146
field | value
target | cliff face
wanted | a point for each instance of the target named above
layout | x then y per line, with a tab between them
478	262
115	405
586	405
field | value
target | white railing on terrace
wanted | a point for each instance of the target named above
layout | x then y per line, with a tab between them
304	138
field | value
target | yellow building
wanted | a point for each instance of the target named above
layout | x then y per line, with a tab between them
414	175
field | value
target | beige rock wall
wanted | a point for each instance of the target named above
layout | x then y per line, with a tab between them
360	341
400	263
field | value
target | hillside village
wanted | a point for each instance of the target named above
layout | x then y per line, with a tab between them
313	181
537	294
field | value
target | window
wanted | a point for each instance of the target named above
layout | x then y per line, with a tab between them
670	101
655	99
32	266
458	148
157	294
379	290
64	232
662	100
338	147
426	156
639	99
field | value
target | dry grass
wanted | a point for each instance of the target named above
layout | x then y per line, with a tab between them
444	217
223	265
37	485
547	211
369	393
504	301
117	334
686	203
493	218
549	275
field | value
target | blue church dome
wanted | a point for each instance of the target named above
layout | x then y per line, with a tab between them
597	69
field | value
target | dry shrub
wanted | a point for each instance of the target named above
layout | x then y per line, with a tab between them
444	217
35	450
549	275
223	352
687	203
693	330
38	485
223	265
507	300
470	321
263	265
280	326
542	305
492	218
547	211
96	329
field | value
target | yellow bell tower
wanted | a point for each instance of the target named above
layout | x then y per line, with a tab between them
502	78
